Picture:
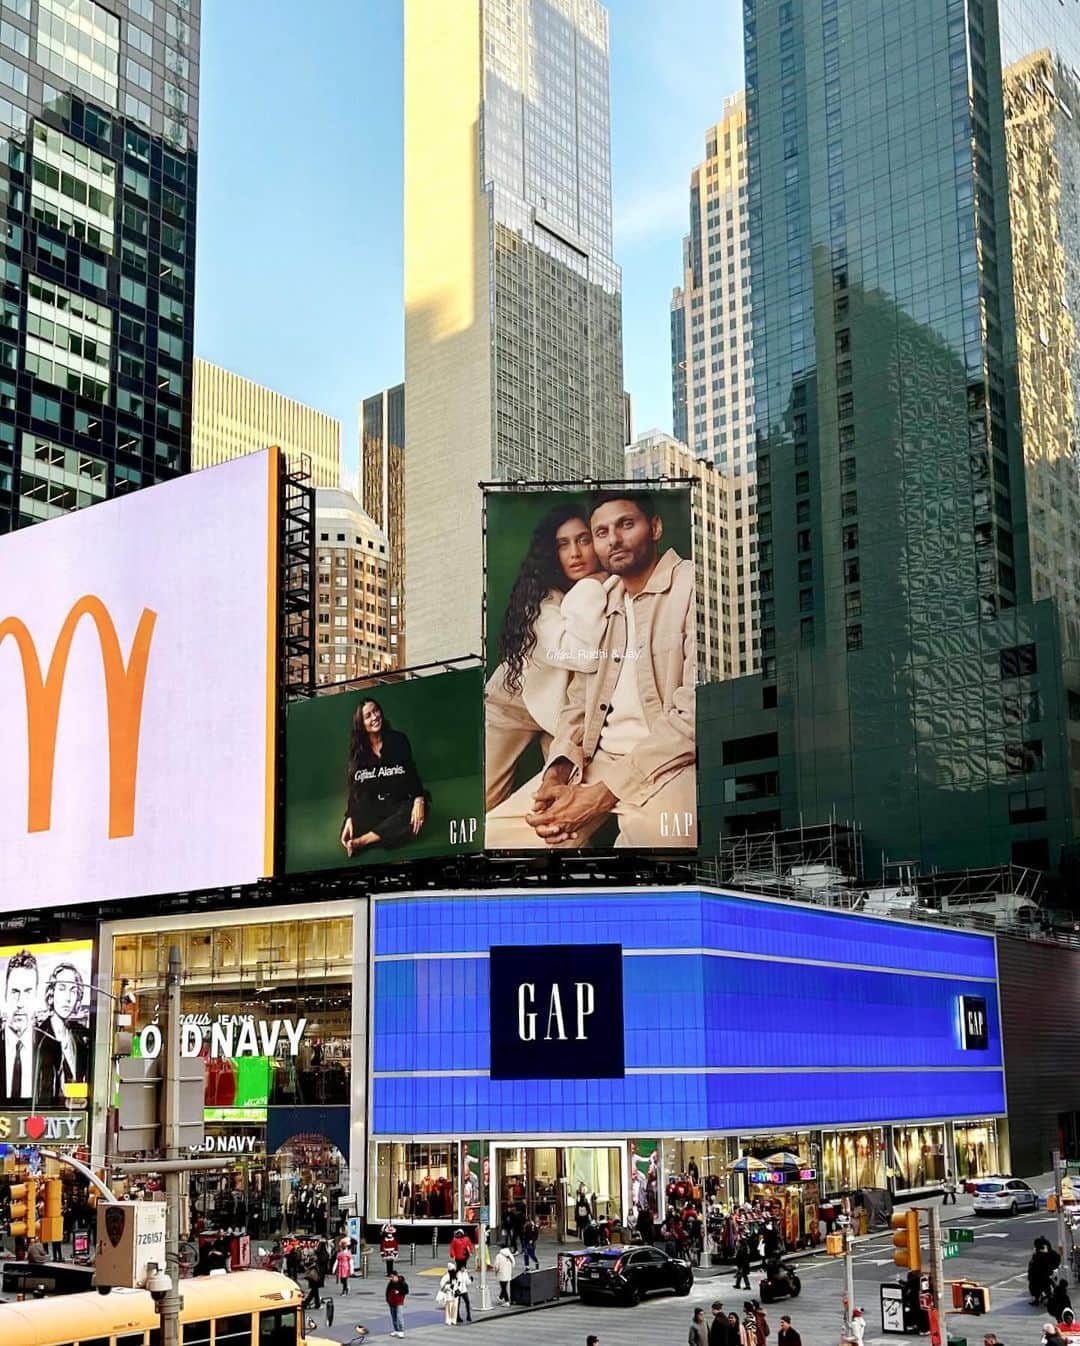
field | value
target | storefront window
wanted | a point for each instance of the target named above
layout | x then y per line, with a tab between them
918	1156
976	1148
416	1181
853	1159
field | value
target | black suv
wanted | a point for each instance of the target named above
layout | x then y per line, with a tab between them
628	1273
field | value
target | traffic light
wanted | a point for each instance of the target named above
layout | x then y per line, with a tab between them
52	1224
24	1209
906	1240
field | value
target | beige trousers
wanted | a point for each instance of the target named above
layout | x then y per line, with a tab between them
668	820
508	731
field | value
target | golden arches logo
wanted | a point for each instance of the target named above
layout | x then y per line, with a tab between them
124	687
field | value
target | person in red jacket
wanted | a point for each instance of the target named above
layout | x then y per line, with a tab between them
388	1247
396	1290
461	1248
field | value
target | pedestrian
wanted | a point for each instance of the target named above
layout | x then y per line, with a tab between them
645	1226
787	1336
529	1234
1044	1262
1057	1298
461	1248
464	1280
758	1321
314	1279
396	1290
699	1333
718	1328
343	1265
592	1340
858	1326
388	1247
504	1272
446	1296
949	1190
736	1334
1052	1336
36	1253
582	1211
742	1264
322	1257
293	1264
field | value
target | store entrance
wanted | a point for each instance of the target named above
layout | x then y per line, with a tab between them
542	1183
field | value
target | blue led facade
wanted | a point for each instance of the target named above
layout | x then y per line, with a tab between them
738	1014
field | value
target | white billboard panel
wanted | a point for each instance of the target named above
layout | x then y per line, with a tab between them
137	692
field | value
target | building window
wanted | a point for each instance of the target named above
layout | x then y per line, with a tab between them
79	41
68	339
1019	661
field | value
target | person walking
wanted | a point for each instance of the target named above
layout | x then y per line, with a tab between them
582	1211
742	1264
343	1266
461	1249
504	1272
314	1278
464	1281
718	1328
396	1290
858	1326
698	1334
948	1190
529	1234
447	1296
787	1336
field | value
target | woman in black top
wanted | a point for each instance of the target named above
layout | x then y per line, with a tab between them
387	803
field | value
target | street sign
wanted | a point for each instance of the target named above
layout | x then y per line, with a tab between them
951	1250
892	1308
960	1235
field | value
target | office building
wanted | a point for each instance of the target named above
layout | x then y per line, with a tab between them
99	127
352	564
234	416
712	367
913	257
513	327
655	454
382	494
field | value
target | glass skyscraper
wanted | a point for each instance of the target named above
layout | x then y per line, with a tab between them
98	119
513	326
915	246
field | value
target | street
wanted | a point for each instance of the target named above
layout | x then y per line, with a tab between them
997	1258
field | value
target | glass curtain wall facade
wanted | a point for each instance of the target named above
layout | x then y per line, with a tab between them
920	689
382	493
98	139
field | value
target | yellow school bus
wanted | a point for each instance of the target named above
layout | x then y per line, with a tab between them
245	1308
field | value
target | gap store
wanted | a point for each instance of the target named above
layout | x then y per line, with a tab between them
649	1045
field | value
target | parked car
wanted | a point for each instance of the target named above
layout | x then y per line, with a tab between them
1004	1195
628	1273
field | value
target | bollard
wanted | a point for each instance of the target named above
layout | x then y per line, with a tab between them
412	1253
435	1241
364	1264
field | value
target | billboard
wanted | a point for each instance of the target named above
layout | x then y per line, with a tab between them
45	1048
389	772
137	679
591	664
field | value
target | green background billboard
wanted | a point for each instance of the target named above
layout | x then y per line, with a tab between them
441	719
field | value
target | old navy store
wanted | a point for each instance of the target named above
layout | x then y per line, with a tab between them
650	1046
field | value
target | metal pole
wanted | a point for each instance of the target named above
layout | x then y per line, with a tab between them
937	1268
1060	1209
170	1306
79	1167
849	1281
485	1300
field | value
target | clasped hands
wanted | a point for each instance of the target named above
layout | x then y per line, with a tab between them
560	808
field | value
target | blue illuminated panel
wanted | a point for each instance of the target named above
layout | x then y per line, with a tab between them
711	989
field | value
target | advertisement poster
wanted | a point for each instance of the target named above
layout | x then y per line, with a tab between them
589	733
389	772
643	1165
45	1046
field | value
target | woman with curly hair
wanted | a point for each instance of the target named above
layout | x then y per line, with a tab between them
387	803
551	628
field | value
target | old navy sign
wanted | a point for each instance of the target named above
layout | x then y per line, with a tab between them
228	1035
556	1012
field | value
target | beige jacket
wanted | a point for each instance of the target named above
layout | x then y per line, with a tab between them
664	615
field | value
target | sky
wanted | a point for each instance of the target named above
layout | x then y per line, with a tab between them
299	250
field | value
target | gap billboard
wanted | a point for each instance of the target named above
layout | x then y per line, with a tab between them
591	665
137	686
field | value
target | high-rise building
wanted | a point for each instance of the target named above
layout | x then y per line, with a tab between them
712	366
98	139
234	416
382	493
513	326
655	454
912	178
351	601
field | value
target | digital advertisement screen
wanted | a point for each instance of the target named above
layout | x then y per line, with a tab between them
237	1088
390	772
137	670
591	634
46	1048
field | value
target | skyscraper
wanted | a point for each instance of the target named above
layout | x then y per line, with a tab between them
99	118
234	416
712	367
914	243
352	625
513	327
382	493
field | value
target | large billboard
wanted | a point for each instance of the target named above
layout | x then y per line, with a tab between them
386	773
591	665
137	658
46	1045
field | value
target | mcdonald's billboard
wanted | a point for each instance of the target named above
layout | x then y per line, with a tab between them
137	692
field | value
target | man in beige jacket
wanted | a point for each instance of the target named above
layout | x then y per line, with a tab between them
624	743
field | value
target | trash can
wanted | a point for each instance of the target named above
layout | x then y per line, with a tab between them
957	1341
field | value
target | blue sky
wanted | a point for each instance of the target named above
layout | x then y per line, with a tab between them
299	242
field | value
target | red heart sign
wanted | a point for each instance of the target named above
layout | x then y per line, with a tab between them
35	1127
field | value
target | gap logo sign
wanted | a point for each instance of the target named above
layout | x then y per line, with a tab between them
557	1012
974	1034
